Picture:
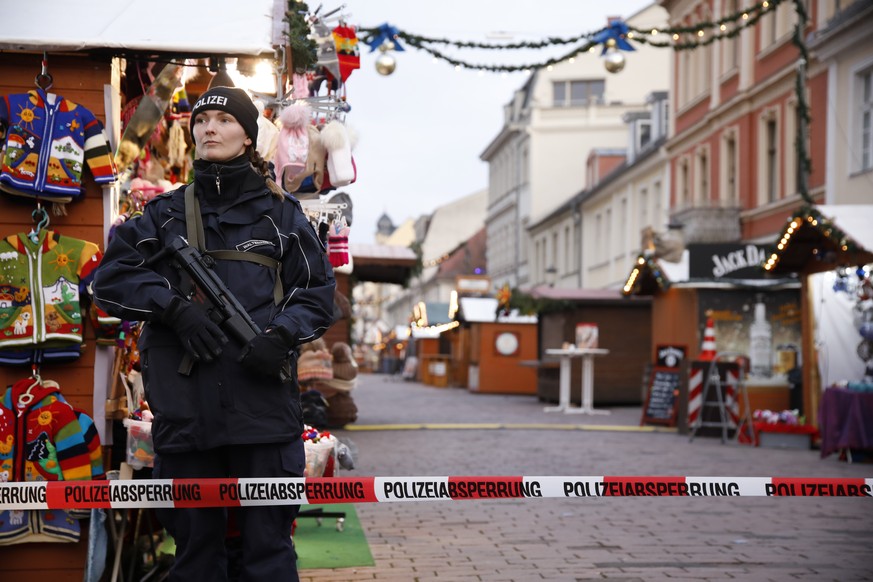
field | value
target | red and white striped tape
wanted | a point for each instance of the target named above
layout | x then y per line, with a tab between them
300	491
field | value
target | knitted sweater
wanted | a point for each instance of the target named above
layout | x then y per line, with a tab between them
42	439
40	287
48	139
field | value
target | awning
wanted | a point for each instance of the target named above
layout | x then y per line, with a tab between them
484	309
382	263
187	28
820	238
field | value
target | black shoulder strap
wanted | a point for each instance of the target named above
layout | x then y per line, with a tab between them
196	238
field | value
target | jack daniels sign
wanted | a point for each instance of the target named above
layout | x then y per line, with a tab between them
727	260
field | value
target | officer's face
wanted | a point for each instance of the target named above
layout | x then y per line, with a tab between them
219	136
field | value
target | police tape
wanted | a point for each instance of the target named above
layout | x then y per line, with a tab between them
301	491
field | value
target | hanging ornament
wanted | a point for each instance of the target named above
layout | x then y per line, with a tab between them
386	63
614	61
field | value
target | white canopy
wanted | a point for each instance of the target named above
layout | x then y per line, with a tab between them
854	219
252	27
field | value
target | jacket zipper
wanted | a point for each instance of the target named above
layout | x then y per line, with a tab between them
45	147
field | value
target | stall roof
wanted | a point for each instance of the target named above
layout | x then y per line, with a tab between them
483	309
382	263
821	237
582	295
167	26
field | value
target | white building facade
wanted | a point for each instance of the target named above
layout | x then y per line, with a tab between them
538	160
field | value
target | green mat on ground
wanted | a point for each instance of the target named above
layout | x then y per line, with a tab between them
322	546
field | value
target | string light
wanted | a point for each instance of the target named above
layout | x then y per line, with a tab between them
808	217
645	266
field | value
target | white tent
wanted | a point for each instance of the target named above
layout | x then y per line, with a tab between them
836	312
253	27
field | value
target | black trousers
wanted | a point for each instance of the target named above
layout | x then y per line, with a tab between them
200	533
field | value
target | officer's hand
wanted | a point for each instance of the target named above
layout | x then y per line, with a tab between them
202	338
267	352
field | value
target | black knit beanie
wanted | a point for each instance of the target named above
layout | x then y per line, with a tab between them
232	100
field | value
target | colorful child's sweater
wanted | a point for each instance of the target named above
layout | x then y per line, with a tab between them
42	439
41	287
48	141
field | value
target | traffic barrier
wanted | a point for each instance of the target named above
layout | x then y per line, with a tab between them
140	493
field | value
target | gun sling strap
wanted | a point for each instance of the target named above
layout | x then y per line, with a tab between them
196	238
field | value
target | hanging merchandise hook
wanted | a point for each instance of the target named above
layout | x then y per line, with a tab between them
27	397
41	219
44	79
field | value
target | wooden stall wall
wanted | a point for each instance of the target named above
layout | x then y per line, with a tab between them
81	80
504	374
674	321
625	329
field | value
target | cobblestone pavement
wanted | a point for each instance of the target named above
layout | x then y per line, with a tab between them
620	539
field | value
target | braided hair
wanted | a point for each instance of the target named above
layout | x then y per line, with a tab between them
262	166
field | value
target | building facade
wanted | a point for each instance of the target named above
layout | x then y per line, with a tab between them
538	160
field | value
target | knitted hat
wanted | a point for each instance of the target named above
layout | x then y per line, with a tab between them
345	369
318	345
344	365
314	365
231	100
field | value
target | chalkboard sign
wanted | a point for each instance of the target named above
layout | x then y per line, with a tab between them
661	397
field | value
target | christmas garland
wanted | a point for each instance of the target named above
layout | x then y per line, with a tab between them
683	38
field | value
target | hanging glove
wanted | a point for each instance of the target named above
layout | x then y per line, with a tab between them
267	352
202	338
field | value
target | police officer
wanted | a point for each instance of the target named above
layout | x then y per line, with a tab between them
233	413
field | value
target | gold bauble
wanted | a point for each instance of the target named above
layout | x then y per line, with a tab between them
385	64
614	61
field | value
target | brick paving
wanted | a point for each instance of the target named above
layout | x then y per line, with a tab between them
618	539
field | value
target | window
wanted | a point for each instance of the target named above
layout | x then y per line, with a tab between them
578	93
792	155
702	194
683	184
644	133
771	160
729	164
598	234
568	250
555	262
656	213
865	106
644	208
622	228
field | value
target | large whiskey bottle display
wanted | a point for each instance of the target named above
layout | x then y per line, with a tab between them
760	343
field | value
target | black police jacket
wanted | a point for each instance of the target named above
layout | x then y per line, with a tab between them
219	403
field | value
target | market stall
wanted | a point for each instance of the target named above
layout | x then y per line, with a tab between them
830	248
493	345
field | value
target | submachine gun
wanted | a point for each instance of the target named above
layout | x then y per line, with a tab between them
210	294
